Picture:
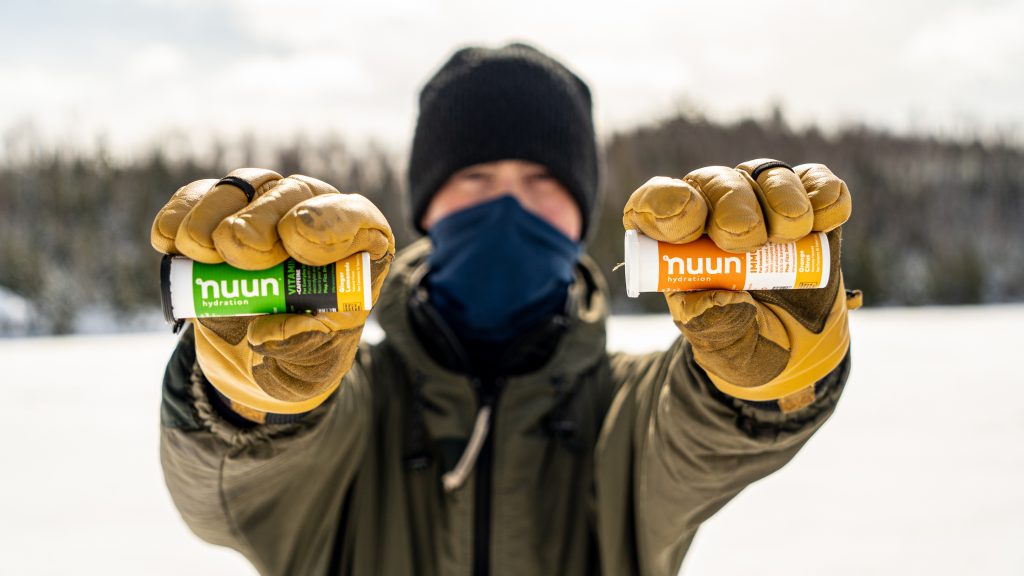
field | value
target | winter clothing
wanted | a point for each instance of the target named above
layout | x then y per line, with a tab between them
513	102
254	219
438	451
496	269
759	345
590	463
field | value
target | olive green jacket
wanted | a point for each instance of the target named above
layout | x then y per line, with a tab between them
602	463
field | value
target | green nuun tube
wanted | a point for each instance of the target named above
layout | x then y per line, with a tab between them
190	289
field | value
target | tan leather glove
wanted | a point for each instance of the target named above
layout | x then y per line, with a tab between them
767	344
254	219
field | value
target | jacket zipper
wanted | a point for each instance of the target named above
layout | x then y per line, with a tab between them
487	392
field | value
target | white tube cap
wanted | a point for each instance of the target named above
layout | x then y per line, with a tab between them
632	253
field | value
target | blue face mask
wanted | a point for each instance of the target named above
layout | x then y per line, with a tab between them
496	270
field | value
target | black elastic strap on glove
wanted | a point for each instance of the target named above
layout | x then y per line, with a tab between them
240	184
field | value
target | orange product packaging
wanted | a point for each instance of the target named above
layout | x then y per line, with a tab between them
653	266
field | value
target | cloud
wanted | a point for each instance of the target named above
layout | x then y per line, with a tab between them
977	40
965	65
135	70
157	61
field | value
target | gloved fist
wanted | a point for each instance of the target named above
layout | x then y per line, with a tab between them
254	219
765	344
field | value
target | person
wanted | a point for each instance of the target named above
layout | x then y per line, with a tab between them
490	432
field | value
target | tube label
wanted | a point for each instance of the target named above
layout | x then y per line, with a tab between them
219	290
197	290
701	265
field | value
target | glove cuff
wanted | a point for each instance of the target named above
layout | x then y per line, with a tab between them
240	415
812	357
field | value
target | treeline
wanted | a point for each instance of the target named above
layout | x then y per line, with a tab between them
935	222
74	229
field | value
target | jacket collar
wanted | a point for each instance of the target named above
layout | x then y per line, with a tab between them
486	360
580	345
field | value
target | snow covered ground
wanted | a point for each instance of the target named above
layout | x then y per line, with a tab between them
16	314
919	472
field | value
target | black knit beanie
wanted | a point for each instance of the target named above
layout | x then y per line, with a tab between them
513	102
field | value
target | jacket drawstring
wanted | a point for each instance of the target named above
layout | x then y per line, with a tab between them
456	477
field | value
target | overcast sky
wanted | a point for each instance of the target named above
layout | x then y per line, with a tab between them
135	71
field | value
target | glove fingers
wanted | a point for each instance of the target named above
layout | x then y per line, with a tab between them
732	335
303	355
829	196
231	329
248	239
735	222
168	219
314	363
688	306
784	201
329	227
277	331
318	187
666	209
195	234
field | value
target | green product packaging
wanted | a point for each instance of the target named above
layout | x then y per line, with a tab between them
190	289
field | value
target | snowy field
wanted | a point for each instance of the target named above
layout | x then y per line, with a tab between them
921	470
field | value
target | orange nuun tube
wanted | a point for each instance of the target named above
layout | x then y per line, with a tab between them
653	266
